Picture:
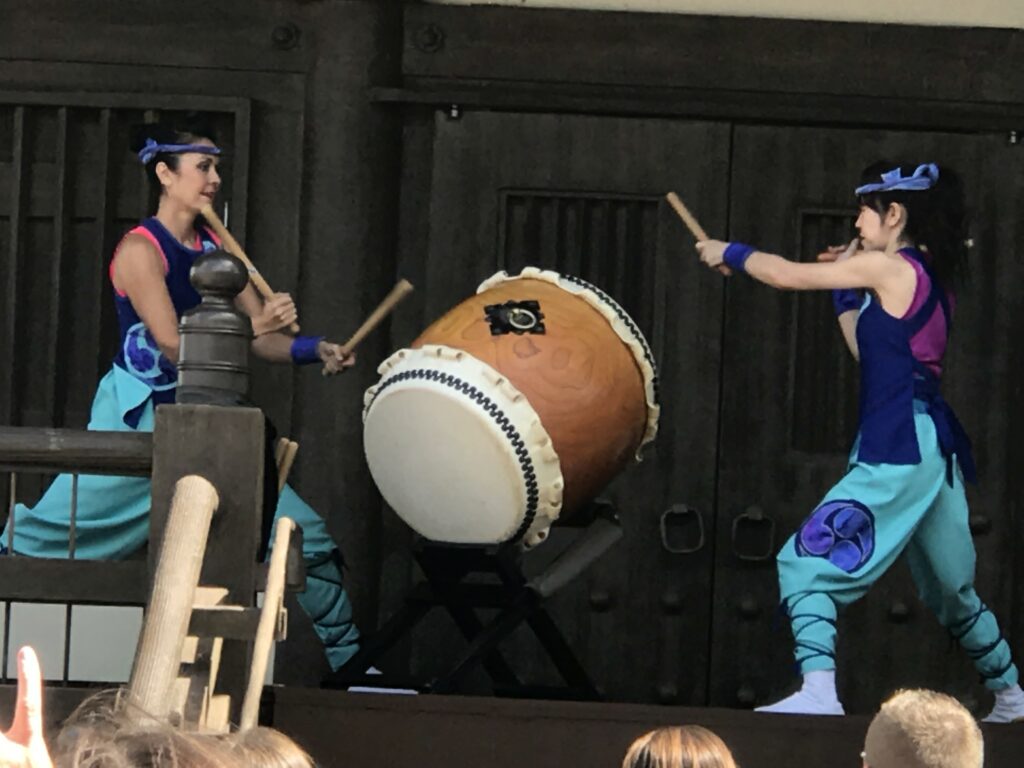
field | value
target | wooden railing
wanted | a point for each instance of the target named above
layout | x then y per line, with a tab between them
206	434
27	450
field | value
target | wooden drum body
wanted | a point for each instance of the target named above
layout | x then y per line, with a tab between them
517	406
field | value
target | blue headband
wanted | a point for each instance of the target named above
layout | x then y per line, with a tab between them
923	177
152	149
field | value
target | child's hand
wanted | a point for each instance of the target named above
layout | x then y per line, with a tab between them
23	746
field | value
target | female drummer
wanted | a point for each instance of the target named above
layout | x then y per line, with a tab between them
904	489
150	277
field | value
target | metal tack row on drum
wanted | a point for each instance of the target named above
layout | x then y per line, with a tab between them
513	409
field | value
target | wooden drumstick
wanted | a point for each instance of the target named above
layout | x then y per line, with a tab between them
402	289
232	245
692	224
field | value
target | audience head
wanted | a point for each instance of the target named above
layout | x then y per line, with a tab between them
923	729
105	732
686	746
267	748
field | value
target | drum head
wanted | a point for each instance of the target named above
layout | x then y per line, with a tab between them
457	453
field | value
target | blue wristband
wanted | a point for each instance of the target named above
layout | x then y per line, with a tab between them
736	255
846	300
304	349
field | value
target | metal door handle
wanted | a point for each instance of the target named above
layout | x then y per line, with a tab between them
680	512
753	520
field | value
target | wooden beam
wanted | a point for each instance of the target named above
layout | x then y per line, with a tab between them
254	35
227	622
608	49
85	582
123	100
232	460
54	390
101	243
8	407
703	104
72	450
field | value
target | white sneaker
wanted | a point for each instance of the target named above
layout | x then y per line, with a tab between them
1009	706
804	702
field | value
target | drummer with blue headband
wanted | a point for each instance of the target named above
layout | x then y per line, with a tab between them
892	289
149	274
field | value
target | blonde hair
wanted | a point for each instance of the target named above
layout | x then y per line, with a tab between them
268	748
683	746
923	729
100	735
107	732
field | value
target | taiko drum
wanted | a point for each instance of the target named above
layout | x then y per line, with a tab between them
513	409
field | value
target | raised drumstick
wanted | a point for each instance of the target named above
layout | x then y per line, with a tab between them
232	245
692	224
402	289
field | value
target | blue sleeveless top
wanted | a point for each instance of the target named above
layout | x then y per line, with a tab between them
138	353
892	378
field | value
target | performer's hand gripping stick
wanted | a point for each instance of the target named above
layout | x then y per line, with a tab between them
402	289
692	224
232	245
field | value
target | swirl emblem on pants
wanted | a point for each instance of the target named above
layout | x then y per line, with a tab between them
841	531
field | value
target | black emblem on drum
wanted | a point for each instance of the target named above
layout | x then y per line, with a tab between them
517	317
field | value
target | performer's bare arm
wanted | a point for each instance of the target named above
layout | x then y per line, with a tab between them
138	272
847	320
888	275
269	318
848	327
273	344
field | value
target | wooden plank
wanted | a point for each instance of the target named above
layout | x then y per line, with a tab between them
237	35
53	388
144	209
229	622
718	104
65	450
85	582
8	407
58	702
240	158
440	731
276	150
233	460
123	100
102	244
713	52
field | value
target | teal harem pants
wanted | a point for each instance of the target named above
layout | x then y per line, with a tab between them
861	526
113	521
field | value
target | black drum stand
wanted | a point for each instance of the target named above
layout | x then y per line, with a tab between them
466	579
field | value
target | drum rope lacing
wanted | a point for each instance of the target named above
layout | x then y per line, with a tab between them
625	318
499	417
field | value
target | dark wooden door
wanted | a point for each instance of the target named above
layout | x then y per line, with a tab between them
789	412
584	196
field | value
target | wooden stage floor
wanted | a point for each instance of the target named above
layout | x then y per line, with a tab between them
344	730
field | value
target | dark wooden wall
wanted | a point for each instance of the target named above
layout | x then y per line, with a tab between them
372	139
312	171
